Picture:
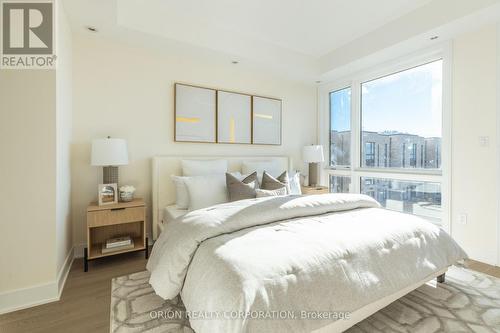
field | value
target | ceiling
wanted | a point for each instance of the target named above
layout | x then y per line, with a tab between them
312	27
293	36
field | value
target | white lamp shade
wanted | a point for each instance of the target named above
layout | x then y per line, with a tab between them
313	154
109	152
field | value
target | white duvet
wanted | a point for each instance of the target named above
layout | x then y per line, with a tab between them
273	264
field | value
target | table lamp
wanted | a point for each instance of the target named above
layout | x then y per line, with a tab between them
313	155
109	153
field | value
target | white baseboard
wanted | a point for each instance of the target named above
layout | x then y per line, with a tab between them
23	298
19	299
64	271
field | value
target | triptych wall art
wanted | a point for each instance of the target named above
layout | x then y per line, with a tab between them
218	116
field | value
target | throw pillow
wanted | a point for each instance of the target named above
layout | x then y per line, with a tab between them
271	183
241	189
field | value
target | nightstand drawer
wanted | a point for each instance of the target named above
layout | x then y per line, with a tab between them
115	216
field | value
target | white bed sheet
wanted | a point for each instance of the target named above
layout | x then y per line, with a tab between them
171	212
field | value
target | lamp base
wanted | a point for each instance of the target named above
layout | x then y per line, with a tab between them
110	175
313	174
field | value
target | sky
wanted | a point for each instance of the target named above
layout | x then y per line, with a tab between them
406	102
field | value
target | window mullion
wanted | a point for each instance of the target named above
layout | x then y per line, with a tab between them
355	136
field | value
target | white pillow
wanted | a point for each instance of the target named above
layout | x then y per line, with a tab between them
272	167
203	167
206	191
181	192
294	182
270	193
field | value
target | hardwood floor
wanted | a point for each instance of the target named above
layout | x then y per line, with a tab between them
85	301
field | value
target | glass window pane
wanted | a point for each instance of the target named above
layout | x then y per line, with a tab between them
419	198
370	153
340	127
401	119
340	184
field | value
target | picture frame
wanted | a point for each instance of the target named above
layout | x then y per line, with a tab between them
107	194
266	120
211	115
195	112
234	117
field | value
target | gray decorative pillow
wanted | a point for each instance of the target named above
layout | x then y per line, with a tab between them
270	193
241	189
271	183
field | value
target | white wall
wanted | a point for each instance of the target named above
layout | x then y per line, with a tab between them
35	134
475	168
64	234
127	92
27	178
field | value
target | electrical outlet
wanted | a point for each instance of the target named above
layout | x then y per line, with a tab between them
484	141
462	219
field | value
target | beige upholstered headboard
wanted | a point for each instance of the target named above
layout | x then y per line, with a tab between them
165	166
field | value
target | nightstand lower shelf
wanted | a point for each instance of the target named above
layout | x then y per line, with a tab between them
95	251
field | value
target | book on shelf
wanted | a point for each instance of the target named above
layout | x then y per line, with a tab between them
105	250
118	242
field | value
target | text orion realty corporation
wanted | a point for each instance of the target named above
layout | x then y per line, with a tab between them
27	35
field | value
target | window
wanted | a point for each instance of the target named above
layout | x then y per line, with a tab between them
385	130
370	153
340	127
340	184
420	198
404	107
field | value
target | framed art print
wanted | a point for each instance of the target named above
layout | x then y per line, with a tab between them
266	121
209	115
234	117
195	110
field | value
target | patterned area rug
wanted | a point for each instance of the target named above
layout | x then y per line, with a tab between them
468	302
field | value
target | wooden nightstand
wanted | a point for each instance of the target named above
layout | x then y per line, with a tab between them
109	221
310	190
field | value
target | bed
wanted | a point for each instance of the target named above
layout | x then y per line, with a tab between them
170	213
316	263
